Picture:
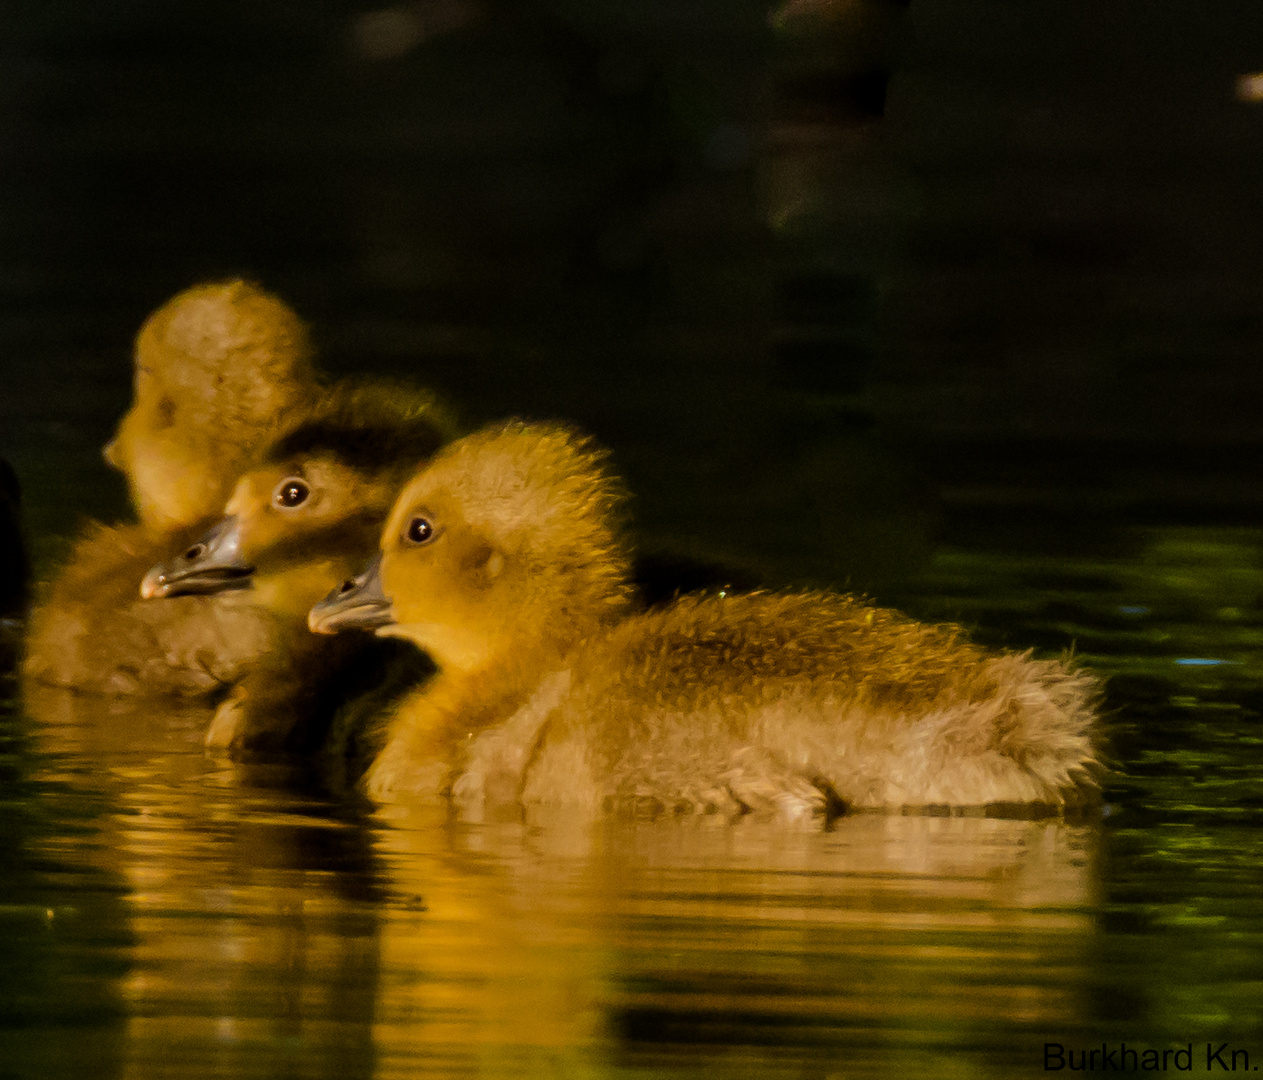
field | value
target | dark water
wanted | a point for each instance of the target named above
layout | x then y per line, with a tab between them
173	914
961	309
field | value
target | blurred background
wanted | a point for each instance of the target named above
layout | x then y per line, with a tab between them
837	279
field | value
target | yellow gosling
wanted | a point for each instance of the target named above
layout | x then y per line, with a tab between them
220	370
504	560
294	526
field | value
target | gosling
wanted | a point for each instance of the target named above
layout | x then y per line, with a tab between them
221	370
504	560
294	526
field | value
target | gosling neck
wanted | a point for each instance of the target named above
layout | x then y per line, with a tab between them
482	676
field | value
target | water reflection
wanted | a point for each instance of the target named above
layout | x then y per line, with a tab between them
259	927
64	920
170	913
678	945
250	905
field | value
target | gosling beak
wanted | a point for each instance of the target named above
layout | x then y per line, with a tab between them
211	565
357	604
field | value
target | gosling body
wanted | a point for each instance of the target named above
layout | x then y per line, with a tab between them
804	704
91	632
504	560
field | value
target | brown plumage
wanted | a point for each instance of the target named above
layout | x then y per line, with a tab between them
503	559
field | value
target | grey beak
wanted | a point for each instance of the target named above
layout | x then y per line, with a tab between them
357	604
211	565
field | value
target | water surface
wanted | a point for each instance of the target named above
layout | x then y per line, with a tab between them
172	913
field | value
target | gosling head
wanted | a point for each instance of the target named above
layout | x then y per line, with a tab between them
509	541
218	368
303	519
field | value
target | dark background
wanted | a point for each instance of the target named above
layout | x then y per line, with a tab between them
837	281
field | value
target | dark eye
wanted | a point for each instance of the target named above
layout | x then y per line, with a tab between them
420	530
290	493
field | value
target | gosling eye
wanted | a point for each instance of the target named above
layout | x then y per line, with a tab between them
291	492
420	530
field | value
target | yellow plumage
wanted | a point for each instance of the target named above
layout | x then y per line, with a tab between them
220	370
504	560
243	412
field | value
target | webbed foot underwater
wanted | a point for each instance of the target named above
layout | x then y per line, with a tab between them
504	560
